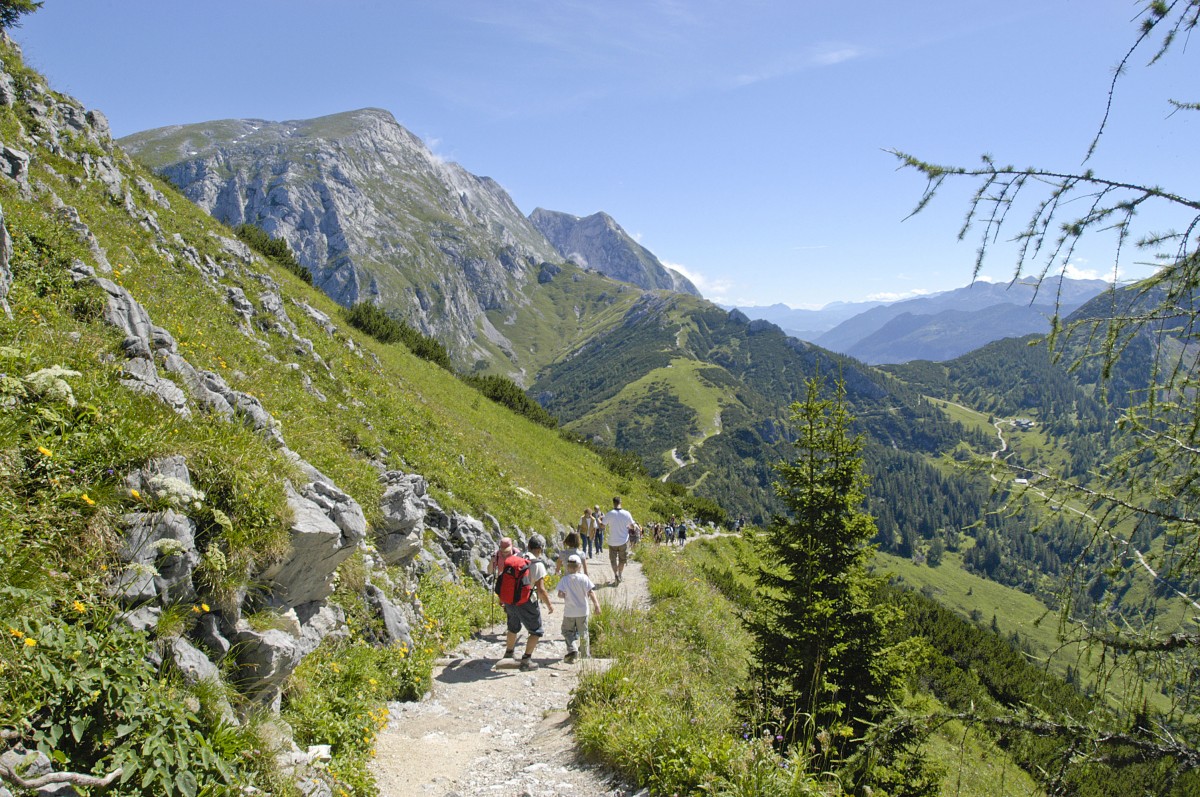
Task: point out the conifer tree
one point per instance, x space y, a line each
819 643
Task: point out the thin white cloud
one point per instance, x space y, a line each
715 290
818 56
896 296
830 55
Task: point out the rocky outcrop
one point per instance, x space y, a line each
368 209
598 242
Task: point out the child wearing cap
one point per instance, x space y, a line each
577 590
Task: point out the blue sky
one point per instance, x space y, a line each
741 142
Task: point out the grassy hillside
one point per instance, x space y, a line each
79 680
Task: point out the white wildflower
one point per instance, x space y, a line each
50 384
174 492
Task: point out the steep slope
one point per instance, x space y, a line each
598 242
370 210
703 396
208 481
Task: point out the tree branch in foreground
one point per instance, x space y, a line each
74 778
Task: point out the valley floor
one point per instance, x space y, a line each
486 728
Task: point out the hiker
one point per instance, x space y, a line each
576 589
587 531
496 563
681 532
618 521
522 600
570 548
599 539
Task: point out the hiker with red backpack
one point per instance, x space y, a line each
522 589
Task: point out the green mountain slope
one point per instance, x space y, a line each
220 504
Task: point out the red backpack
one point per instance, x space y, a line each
514 585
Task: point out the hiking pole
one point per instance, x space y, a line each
491 583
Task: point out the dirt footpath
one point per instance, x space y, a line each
486 728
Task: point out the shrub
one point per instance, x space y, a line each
381 326
508 393
274 249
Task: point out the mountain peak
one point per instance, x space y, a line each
599 242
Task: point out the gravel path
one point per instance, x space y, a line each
486 728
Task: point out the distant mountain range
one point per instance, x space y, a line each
940 326
620 348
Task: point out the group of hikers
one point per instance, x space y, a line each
520 576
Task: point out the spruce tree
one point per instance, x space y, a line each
819 655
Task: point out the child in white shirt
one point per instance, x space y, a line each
577 589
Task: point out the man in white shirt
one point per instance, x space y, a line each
618 521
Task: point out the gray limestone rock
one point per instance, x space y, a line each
143 618
156 196
192 664
403 507
237 298
317 547
395 624
208 633
6 275
141 376
160 551
265 659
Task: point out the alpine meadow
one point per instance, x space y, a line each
272 393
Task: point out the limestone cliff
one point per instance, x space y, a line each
598 242
369 210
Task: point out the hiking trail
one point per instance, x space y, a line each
486 728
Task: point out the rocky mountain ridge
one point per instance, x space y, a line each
377 217
597 241
369 210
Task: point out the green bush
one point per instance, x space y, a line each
508 393
381 326
274 249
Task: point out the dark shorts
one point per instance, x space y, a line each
527 614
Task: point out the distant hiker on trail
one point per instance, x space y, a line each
570 548
522 589
618 521
681 532
576 589
587 531
599 518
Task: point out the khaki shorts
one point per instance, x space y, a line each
618 553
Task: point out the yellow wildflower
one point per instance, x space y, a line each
30 642
196 610
15 632
45 452
136 495
204 607
79 607
87 500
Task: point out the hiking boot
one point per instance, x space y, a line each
527 664
508 654
570 657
